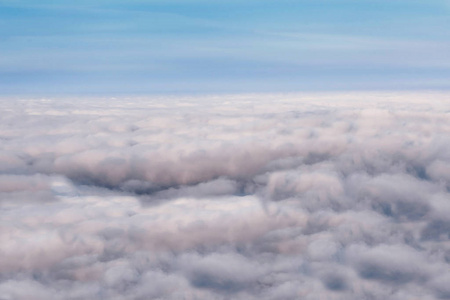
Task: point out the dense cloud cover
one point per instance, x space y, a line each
319 196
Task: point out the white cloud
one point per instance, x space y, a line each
339 196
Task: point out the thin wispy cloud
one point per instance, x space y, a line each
155 47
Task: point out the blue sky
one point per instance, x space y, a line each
147 47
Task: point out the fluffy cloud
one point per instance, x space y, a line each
321 196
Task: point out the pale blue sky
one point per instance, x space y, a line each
146 47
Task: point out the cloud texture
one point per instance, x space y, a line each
319 196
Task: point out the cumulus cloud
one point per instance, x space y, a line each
314 196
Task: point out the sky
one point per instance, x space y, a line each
225 149
170 47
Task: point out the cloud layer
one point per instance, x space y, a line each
315 196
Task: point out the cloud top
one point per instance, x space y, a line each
334 196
